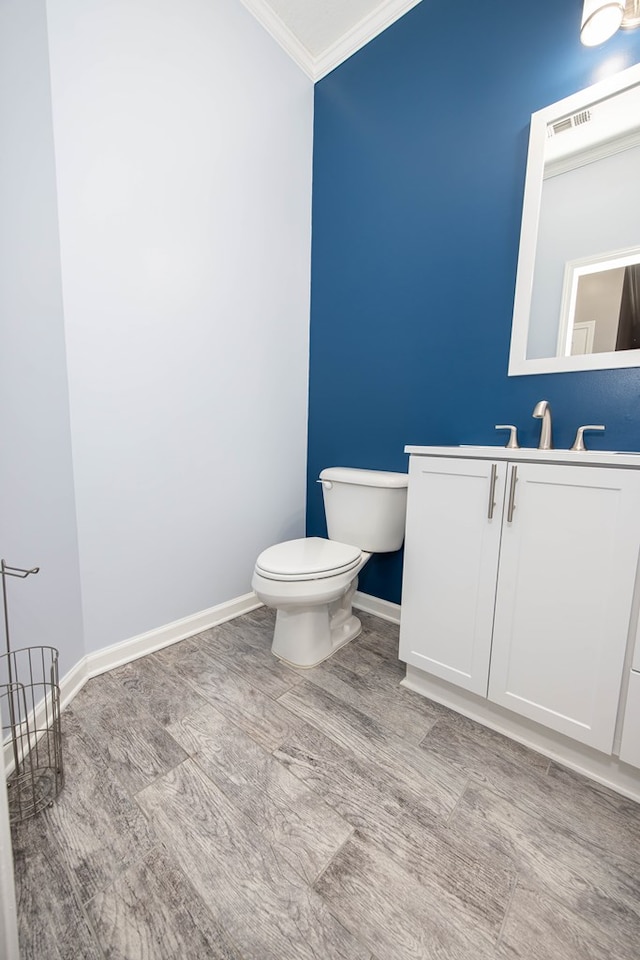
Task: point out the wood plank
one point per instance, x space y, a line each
263 617
302 829
135 746
392 913
269 912
152 912
265 720
162 692
354 657
432 783
586 811
444 862
377 694
100 830
484 754
51 921
607 821
228 646
540 928
168 655
378 636
254 628
555 861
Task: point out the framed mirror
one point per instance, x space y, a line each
577 298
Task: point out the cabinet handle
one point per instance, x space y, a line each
492 490
512 494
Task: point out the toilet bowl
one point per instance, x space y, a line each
310 582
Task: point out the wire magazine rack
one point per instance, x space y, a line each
31 727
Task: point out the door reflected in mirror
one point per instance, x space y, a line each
601 305
577 290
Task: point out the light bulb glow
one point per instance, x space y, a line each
600 20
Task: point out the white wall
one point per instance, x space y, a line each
183 139
37 512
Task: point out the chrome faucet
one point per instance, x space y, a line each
542 411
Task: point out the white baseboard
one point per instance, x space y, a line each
73 682
118 654
379 608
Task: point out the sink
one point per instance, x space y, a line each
529 454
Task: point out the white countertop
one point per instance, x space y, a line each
593 458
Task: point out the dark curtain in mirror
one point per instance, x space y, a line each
629 323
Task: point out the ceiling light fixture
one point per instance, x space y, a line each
602 18
631 17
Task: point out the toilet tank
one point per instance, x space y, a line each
365 508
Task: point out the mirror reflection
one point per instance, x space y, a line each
578 289
601 305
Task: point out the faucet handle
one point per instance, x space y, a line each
578 443
512 442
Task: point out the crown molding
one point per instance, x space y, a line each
359 36
597 151
282 35
386 13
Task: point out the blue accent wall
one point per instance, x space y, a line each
419 165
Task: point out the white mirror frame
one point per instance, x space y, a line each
519 365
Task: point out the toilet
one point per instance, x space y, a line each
311 582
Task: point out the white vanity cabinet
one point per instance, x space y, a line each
451 551
527 604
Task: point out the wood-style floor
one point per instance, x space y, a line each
221 805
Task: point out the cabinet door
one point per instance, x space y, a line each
450 566
565 587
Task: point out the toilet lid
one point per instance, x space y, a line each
307 559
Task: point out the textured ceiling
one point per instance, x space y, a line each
320 34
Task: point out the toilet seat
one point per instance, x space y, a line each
311 558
